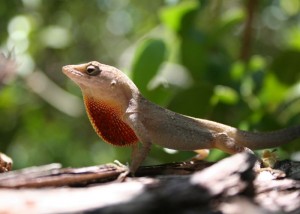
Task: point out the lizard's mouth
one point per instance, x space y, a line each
69 71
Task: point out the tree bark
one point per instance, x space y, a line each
233 185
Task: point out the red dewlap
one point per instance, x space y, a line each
108 124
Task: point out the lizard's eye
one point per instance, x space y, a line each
92 70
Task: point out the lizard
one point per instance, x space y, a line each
122 116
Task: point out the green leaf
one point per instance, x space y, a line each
225 95
173 17
272 92
193 102
232 17
286 66
147 61
237 70
291 7
293 38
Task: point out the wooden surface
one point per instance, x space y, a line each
229 186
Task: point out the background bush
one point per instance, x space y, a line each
235 62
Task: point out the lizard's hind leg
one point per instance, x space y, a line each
229 145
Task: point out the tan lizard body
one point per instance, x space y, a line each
122 116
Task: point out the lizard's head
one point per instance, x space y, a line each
106 92
99 80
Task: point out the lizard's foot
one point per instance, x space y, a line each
269 158
201 154
267 162
118 163
123 175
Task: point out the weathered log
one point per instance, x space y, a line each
229 186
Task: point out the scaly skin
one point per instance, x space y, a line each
122 116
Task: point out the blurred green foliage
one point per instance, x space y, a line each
201 58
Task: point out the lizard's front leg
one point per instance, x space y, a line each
139 154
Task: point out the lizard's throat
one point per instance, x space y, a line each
107 122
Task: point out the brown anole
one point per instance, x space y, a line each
122 116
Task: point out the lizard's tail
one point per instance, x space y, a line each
261 140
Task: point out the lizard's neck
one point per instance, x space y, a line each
106 119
